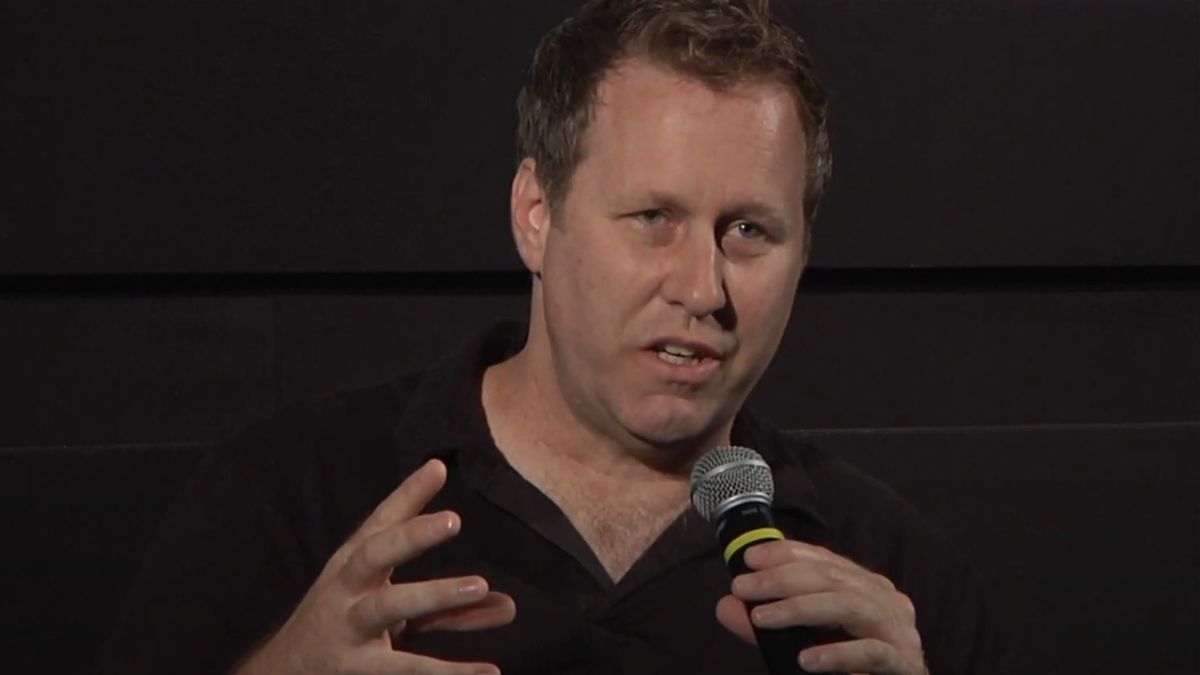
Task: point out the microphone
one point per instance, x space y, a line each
732 488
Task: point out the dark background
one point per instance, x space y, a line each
213 208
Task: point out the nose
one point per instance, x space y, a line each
695 277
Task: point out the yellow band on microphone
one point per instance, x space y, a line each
746 538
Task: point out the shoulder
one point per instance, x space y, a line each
873 525
253 526
313 469
854 501
345 426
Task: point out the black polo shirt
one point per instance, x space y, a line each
252 529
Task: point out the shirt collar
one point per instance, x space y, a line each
788 458
445 414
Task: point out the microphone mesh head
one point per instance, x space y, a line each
726 473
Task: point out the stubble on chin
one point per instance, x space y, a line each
675 431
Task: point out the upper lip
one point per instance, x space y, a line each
700 348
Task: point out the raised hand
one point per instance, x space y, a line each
352 615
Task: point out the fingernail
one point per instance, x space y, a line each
471 587
442 524
755 556
810 660
765 615
744 584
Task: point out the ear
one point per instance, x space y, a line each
530 211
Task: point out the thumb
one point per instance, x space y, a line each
731 613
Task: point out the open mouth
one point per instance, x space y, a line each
681 355
677 358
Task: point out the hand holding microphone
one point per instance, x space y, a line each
791 589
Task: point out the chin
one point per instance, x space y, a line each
672 425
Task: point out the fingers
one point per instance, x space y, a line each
832 565
857 614
375 612
496 609
812 586
731 613
386 662
868 655
810 576
353 613
862 656
371 560
407 500
820 588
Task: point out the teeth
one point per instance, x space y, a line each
676 350
680 356
678 360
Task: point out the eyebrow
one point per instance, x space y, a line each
759 211
752 208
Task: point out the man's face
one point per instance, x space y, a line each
669 272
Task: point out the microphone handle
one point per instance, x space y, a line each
737 530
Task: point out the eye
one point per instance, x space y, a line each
748 229
652 217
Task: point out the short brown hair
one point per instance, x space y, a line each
720 42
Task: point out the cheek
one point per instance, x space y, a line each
586 293
764 302
767 320
605 278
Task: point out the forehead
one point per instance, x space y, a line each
659 129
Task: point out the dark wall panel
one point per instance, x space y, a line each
107 369
849 359
339 136
335 341
1002 132
955 358
182 368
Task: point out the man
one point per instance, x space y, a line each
673 156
